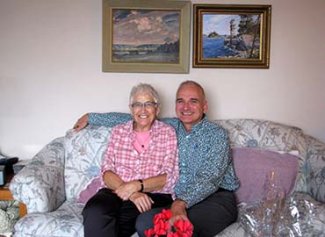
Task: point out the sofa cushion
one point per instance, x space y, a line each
268 135
84 152
66 221
315 167
252 167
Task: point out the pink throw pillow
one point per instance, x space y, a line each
90 190
252 166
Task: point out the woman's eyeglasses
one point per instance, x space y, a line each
146 105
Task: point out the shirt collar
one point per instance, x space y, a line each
154 128
196 126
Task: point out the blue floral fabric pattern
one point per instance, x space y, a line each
315 169
40 184
66 221
270 136
84 152
210 166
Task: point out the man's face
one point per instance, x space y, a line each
190 105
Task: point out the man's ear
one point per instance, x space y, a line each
205 107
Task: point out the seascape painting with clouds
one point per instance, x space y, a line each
146 36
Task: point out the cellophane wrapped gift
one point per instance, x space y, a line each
280 216
9 215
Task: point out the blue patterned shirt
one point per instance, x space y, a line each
204 156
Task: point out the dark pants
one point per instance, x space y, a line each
105 214
209 216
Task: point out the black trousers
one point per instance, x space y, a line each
209 217
106 215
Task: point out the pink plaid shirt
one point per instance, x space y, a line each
161 156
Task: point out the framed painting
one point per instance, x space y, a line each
231 36
146 36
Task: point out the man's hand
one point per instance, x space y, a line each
81 123
178 209
126 189
142 201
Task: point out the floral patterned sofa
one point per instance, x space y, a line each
51 183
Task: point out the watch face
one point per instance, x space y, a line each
2 178
2 175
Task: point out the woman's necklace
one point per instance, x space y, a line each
142 140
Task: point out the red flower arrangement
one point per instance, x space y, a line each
181 228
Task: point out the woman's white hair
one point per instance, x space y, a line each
144 88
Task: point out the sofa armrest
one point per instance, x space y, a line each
315 168
40 184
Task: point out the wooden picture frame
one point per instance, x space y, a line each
146 36
231 36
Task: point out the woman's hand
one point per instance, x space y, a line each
125 190
142 201
178 209
81 123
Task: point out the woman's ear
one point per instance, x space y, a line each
157 111
131 110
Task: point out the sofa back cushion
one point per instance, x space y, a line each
252 167
268 135
84 151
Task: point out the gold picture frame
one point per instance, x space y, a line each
231 36
146 36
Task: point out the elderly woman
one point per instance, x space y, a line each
139 170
